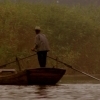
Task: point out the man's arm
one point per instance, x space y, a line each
37 39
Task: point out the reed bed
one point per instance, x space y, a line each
73 32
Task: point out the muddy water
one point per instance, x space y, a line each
58 92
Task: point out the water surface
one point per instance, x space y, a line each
58 92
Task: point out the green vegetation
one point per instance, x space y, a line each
73 32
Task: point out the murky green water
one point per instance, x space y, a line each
58 92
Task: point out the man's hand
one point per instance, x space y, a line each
33 49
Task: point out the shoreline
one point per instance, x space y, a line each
79 79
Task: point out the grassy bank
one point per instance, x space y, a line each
73 32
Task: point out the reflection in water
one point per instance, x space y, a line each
41 91
59 92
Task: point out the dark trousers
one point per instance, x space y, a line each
42 55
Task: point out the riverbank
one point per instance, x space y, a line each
77 79
74 37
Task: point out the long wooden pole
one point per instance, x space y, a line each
15 61
69 66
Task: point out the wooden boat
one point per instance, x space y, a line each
38 76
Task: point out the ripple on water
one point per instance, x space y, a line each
58 92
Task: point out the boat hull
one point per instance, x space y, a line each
38 76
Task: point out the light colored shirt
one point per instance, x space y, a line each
41 42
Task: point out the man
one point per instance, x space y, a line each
41 46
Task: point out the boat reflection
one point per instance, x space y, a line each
41 91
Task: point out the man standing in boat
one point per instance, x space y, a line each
41 46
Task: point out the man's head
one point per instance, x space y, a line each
37 29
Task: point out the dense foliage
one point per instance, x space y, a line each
73 32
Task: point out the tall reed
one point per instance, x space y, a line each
73 32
